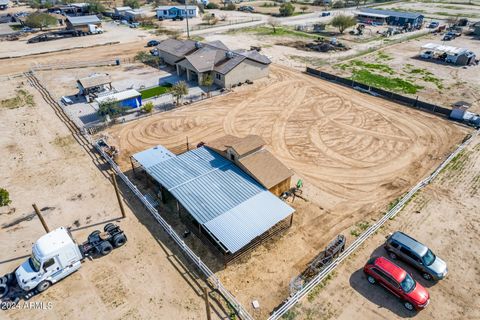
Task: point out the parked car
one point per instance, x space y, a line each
325 14
401 246
27 29
433 25
246 8
427 55
153 43
447 37
134 25
399 282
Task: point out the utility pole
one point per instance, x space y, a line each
39 215
120 203
186 16
207 304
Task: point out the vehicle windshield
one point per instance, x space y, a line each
428 258
34 263
408 284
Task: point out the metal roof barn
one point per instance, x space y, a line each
221 197
150 157
83 20
391 13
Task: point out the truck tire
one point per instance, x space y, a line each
44 285
119 240
3 290
105 248
108 227
94 233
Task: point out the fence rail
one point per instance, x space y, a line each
395 97
293 300
185 249
73 65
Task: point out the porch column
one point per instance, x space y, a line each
188 74
178 69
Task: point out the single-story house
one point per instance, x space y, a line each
225 207
82 23
3 4
390 17
454 55
250 155
174 12
475 28
120 11
126 99
227 67
134 15
94 84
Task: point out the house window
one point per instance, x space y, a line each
218 76
165 12
190 12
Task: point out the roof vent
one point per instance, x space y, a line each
229 54
198 45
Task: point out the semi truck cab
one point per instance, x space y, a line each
54 256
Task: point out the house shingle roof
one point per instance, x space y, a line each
178 48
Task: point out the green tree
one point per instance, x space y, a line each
207 81
95 6
274 23
134 4
342 22
287 9
148 107
109 108
179 90
40 20
304 8
4 197
147 58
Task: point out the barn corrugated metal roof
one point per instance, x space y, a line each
240 219
81 20
210 186
150 157
392 13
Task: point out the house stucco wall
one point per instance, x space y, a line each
168 58
247 70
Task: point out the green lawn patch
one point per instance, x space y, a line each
279 31
155 91
372 66
384 82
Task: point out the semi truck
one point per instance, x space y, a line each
55 256
62 34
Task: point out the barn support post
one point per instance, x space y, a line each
133 167
291 220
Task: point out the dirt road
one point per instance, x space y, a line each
356 154
446 217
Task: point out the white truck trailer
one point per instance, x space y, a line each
55 256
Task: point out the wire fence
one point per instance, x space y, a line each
222 24
210 276
293 300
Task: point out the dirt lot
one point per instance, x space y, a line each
355 152
439 10
446 217
439 82
43 164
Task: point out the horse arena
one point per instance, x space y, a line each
356 154
350 146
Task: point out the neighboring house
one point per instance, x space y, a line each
120 11
394 18
250 155
227 68
176 12
82 23
3 4
454 55
134 15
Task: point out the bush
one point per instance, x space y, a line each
230 7
343 22
338 4
134 4
148 107
287 9
40 20
95 6
109 108
212 5
4 197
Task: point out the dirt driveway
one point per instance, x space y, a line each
356 154
446 217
